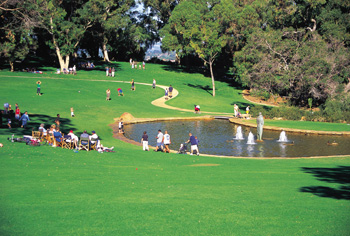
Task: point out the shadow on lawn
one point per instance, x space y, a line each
34 123
340 175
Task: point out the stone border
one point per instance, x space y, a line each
301 131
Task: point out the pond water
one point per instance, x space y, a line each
217 137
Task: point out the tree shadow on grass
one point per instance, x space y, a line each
206 88
340 175
33 124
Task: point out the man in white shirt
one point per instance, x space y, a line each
159 141
74 138
166 141
93 138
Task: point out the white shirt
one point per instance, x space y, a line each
160 137
73 136
94 136
166 138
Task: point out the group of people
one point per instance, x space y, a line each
164 141
86 65
134 64
110 71
54 131
10 114
237 113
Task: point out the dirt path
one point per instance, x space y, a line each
246 96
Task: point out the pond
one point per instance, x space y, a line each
217 138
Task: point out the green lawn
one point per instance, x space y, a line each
54 191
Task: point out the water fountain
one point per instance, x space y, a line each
239 134
283 137
250 138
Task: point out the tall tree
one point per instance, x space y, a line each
16 38
109 16
193 28
66 21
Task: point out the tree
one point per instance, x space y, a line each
193 28
66 21
15 31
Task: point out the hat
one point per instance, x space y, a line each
71 131
93 132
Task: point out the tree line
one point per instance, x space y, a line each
298 49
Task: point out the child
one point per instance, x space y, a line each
166 94
121 126
197 109
71 112
9 123
38 88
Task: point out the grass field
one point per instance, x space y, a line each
54 191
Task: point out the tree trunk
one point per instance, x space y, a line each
64 61
105 52
212 76
12 66
178 59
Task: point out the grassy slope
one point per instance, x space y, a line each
50 191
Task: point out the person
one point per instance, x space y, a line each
132 84
110 71
74 70
140 66
57 121
74 138
84 135
171 91
260 125
143 65
42 130
107 69
166 94
102 149
197 109
235 109
9 123
120 92
247 110
193 142
108 94
72 112
121 126
159 138
197 140
6 108
93 138
17 112
144 141
24 119
58 135
113 71
154 84
38 83
130 61
166 141
132 64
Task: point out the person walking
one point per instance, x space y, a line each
193 142
159 138
166 141
144 141
132 84
24 119
171 91
108 94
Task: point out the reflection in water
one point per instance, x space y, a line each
213 136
